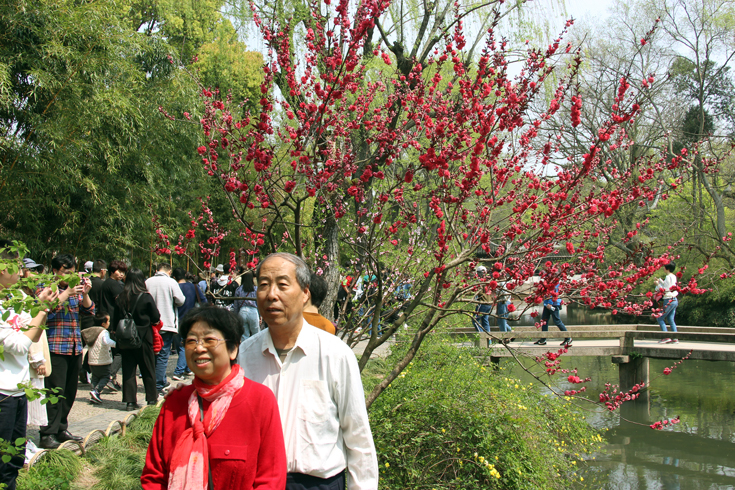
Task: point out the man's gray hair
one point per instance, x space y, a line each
303 274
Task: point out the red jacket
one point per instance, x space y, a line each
246 451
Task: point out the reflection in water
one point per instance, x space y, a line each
697 454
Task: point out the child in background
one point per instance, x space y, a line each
100 354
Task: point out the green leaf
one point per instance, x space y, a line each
20 440
6 458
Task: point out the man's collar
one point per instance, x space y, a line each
306 341
161 273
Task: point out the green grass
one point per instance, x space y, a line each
55 470
118 461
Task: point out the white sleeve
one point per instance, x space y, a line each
15 343
106 340
360 454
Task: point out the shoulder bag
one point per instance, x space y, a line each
126 331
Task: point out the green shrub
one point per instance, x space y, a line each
55 470
448 422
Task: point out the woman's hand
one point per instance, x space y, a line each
47 295
41 370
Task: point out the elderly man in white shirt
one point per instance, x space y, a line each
316 380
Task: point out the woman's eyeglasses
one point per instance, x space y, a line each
206 342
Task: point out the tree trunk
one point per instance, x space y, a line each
330 237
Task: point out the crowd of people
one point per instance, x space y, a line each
286 390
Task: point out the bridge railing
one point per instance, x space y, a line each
625 333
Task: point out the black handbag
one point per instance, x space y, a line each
126 331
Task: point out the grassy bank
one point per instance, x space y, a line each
449 422
114 463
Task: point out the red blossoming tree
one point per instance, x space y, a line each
413 167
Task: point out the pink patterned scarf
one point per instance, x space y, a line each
189 468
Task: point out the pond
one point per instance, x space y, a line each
696 454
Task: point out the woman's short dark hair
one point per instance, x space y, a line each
670 266
178 274
227 322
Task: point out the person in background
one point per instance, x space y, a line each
39 359
65 344
668 286
203 284
225 287
317 382
100 355
14 366
136 300
168 297
502 300
248 308
112 286
318 290
223 431
99 271
192 296
552 308
30 268
481 320
108 291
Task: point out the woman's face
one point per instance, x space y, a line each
207 355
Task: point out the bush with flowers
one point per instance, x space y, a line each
452 421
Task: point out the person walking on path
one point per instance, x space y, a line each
552 307
100 355
668 286
247 308
501 308
136 300
481 320
192 296
65 344
168 297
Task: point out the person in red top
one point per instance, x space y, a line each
223 431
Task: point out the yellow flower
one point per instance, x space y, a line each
443 431
387 465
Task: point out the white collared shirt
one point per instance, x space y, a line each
322 404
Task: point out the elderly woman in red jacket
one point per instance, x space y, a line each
223 431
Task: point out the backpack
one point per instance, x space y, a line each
126 331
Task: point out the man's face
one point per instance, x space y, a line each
281 300
64 270
118 275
